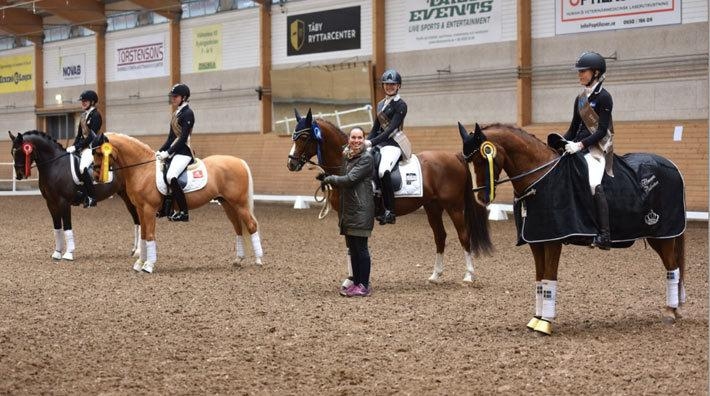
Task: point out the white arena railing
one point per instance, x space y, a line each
334 115
14 183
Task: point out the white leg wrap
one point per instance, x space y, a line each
69 236
469 277
349 264
240 246
59 240
672 279
682 293
151 251
439 264
549 296
144 254
538 299
256 245
136 239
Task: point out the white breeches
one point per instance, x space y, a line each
596 170
87 158
177 165
389 157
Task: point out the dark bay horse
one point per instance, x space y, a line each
447 187
58 188
526 159
229 181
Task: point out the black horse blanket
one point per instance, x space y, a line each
646 200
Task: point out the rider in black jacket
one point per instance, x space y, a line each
86 136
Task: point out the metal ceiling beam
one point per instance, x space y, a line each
87 13
170 9
20 22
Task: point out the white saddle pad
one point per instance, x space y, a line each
412 183
196 177
74 164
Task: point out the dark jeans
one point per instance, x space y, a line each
360 259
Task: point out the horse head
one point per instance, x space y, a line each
306 142
21 153
487 161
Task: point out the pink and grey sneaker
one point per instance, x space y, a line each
345 286
358 291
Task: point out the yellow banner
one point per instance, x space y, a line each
16 73
207 48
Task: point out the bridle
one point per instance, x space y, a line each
312 133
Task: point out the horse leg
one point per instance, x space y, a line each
148 222
459 220
58 233
65 210
233 217
244 213
672 254
549 288
135 250
142 249
433 214
538 251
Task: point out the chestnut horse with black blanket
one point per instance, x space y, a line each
553 205
58 187
446 187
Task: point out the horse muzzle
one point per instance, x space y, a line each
294 165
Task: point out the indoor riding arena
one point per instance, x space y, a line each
88 321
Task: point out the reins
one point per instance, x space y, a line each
520 176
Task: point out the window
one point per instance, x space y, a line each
199 8
122 21
56 33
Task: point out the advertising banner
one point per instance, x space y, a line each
444 23
16 73
207 48
325 31
576 16
72 69
141 57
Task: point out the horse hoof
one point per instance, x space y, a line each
56 256
669 315
468 279
135 253
532 323
434 279
68 256
138 265
258 261
543 328
148 267
237 262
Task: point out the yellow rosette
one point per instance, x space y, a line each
106 150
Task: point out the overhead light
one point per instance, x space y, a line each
58 98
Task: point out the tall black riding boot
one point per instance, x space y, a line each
388 197
602 240
89 194
179 197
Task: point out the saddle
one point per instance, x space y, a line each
75 171
409 186
645 197
193 178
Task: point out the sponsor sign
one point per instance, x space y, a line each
16 73
325 31
207 48
576 16
72 69
448 23
141 57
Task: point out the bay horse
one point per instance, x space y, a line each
526 159
446 182
229 181
58 187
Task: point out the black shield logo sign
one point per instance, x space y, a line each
298 34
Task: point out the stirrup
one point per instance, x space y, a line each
388 218
179 216
601 242
89 201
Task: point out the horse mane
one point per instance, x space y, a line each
137 142
44 135
513 129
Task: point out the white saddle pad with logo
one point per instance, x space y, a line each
195 175
74 165
412 183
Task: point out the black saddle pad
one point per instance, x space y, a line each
645 196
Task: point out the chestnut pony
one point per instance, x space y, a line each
229 181
447 187
525 159
58 188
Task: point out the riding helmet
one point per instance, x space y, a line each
591 60
180 90
391 76
90 96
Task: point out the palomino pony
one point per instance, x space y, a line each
58 187
229 181
529 163
446 182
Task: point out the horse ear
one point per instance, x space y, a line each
309 117
12 137
462 131
298 116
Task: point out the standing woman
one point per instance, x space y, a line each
88 130
357 210
387 135
591 132
177 147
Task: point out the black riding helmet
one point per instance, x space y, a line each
391 76
180 90
90 96
591 61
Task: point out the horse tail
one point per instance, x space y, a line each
250 187
476 217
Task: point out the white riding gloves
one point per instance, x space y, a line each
161 155
573 147
71 149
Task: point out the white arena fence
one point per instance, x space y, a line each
290 123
